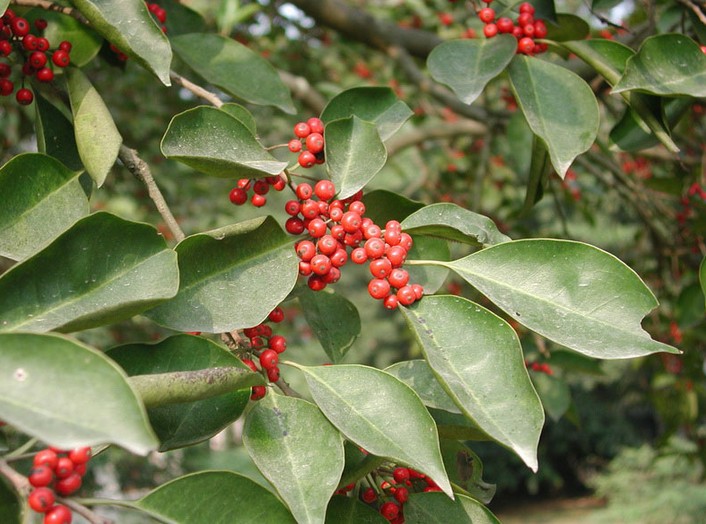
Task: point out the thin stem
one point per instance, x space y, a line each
51 6
422 262
276 146
366 465
287 389
85 512
21 452
197 90
18 481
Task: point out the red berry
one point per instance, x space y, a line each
304 191
324 190
526 7
391 302
6 87
351 221
306 159
276 315
359 255
393 224
295 145
398 278
525 45
378 288
42 44
294 226
258 392
315 142
389 510
369 495
524 19
486 15
380 268
540 29
306 250
250 364
41 476
401 495
46 457
333 275
5 48
327 245
406 241
310 209
19 26
374 247
490 30
504 24
45 75
339 258
304 269
69 485
406 296
269 359
40 24
258 200
396 255
315 283
261 187
278 343
60 58
400 475
445 18
244 183
292 207
64 467
238 196
41 500
320 264
418 290
357 207
24 96
65 46
37 59
317 228
58 515
316 125
273 374
302 130
80 455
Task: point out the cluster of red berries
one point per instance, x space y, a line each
309 142
268 348
239 194
56 471
19 45
540 367
334 226
526 28
159 14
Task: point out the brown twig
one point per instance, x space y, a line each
18 481
695 9
448 130
51 6
303 90
85 512
197 90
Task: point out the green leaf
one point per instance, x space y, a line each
554 393
466 470
4 5
702 277
431 278
85 43
455 426
230 278
576 362
433 508
567 27
97 139
232 67
539 171
477 358
218 144
10 501
466 66
278 434
128 25
453 222
559 106
246 118
186 423
55 134
68 394
102 270
382 206
668 65
378 105
629 133
572 293
216 497
333 319
418 375
346 510
181 19
354 154
41 198
380 413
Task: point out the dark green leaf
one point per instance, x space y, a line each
576 362
346 510
559 106
55 134
102 270
278 434
354 154
85 43
702 276
382 206
232 67
544 9
567 27
539 171
242 114
41 198
218 144
604 4
379 413
433 508
230 278
629 135
454 426
97 139
216 497
183 424
10 502
466 470
477 358
68 394
554 393
418 375
333 319
466 66
128 25
378 105
569 292
181 18
668 65
453 222
520 138
431 278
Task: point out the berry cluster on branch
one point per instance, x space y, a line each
267 347
525 28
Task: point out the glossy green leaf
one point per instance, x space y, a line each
55 134
102 270
378 105
346 510
667 65
466 66
539 171
434 508
10 501
418 375
181 18
333 319
128 25
246 118
221 272
186 423
702 276
278 434
41 198
477 358
68 394
567 27
382 206
379 413
455 223
218 144
466 470
554 393
234 68
544 9
455 426
559 106
572 293
354 154
85 42
97 139
431 278
629 133
216 497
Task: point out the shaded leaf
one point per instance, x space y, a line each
466 66
455 426
234 68
221 272
218 144
216 497
278 434
378 105
128 25
539 171
97 139
55 134
382 206
466 470
354 154
186 423
10 501
418 375
702 276
453 222
182 19
572 293
554 393
41 198
477 358
85 43
346 510
567 27
242 114
379 413
333 319
102 270
432 508
43 385
431 278
559 106
629 135
576 362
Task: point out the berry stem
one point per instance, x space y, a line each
199 91
51 6
365 466
21 452
276 146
